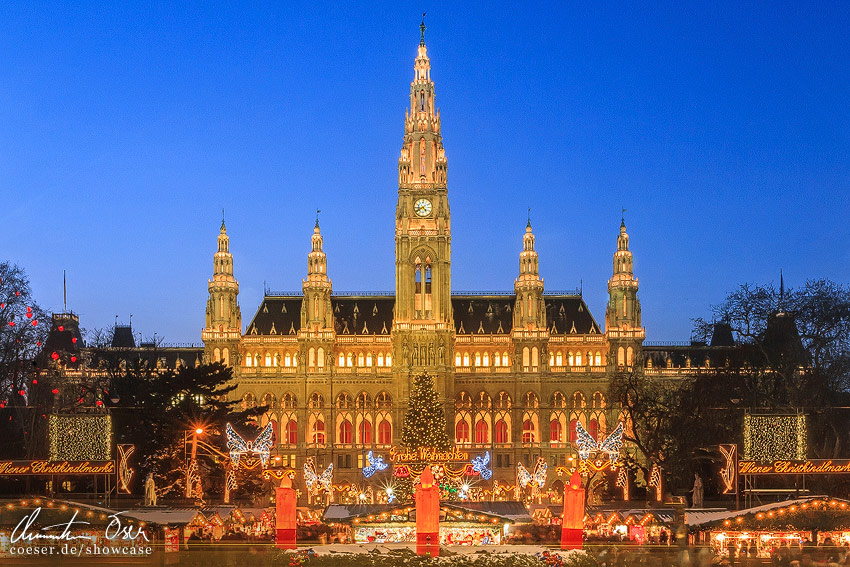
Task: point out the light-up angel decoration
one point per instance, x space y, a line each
588 446
481 465
536 479
316 481
259 447
373 464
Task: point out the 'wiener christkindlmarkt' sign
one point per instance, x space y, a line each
57 467
428 455
812 466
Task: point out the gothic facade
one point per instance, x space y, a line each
514 371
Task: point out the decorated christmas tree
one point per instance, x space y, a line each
424 422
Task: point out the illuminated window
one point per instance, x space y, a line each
485 359
481 432
457 359
380 359
389 360
291 432
462 432
369 360
477 359
555 432
528 431
361 360
502 431
385 432
559 359
268 359
466 359
598 358
341 362
320 357
365 432
287 360
345 431
578 358
319 432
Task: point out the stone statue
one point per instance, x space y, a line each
150 491
697 490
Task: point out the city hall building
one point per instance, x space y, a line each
515 371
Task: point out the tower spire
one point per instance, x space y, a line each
422 31
224 317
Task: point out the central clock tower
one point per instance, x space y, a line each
423 326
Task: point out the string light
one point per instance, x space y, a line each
769 438
481 464
80 437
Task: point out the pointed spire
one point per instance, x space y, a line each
528 259
422 30
781 291
317 219
223 227
528 226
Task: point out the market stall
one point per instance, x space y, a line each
761 531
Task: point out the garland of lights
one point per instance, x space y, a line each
655 481
373 464
193 477
623 482
80 437
230 484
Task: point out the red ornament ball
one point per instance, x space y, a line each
34 322
22 392
11 323
55 390
55 356
29 315
99 403
29 309
74 340
61 328
18 293
38 343
34 381
73 359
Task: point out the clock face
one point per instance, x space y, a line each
422 207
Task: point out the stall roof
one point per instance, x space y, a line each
697 518
164 516
513 512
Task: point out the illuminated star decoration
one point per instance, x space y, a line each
259 446
587 445
480 465
374 464
313 479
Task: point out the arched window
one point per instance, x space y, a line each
320 357
578 358
462 432
559 359
288 401
621 357
365 432
598 400
225 356
579 401
383 401
249 401
369 359
380 359
629 356
319 432
345 431
457 359
573 431
502 432
389 360
503 401
276 360
571 358
531 400
466 359
559 400
268 359
505 360
598 359
535 357
497 359
267 400
216 355
361 360
485 359
385 432
349 359
291 433
528 431
526 358
344 401
482 432
341 361
555 432
249 360
364 401
477 359
593 428
311 358
316 401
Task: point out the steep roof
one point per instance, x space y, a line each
373 314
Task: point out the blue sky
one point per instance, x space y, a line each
723 128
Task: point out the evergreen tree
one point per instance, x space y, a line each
424 422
